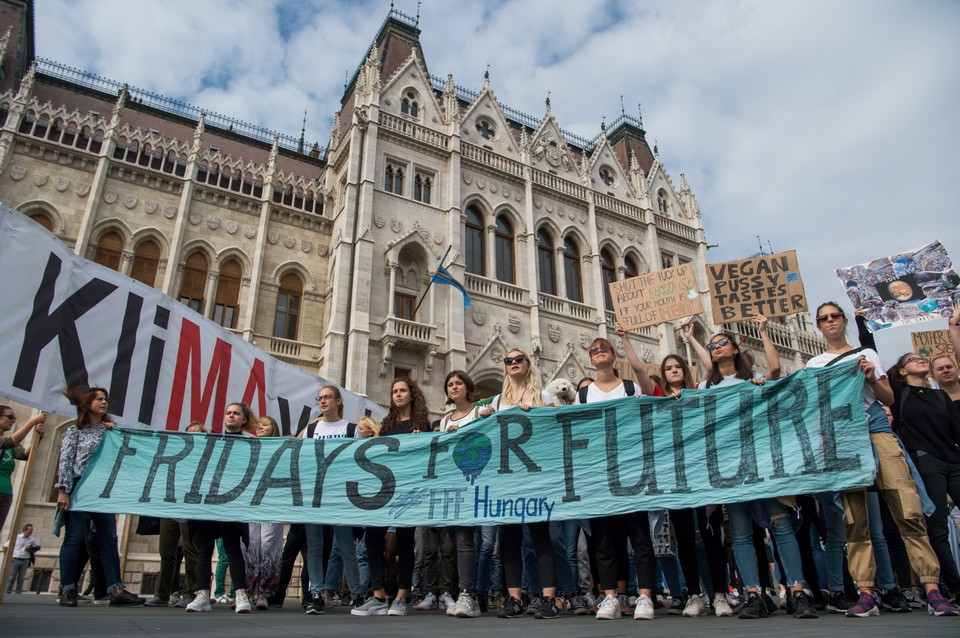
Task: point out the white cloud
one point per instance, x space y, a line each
826 127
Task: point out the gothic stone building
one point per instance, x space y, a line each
320 255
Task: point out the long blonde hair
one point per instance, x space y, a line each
532 381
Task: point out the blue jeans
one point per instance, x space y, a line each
106 526
836 541
485 540
345 542
566 575
670 568
779 518
881 554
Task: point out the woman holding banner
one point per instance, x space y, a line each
893 481
236 422
730 368
265 542
79 443
407 415
11 451
610 533
521 388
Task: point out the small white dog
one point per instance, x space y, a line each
562 390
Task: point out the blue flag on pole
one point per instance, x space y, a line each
443 276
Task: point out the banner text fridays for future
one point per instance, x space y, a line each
806 433
70 321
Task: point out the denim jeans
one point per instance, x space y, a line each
566 573
106 525
345 542
881 555
485 540
835 544
779 517
670 568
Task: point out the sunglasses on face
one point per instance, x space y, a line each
509 361
598 349
716 344
836 316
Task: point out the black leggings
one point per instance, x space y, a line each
711 532
205 535
376 545
510 546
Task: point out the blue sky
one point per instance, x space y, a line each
826 127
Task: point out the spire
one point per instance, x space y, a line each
603 125
449 102
4 41
303 131
198 136
549 112
623 113
640 114
274 151
26 85
118 107
486 78
335 131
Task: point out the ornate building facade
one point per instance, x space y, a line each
319 256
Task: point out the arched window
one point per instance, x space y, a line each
193 282
545 271
109 251
288 307
609 274
504 250
571 269
473 241
43 220
662 201
393 179
409 104
422 188
228 294
146 262
630 268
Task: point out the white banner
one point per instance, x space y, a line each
69 321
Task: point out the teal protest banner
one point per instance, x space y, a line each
806 433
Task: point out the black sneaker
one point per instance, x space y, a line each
68 598
125 598
770 604
547 609
512 608
754 607
315 608
307 600
894 601
838 603
803 606
359 600
534 605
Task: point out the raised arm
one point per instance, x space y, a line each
646 383
20 434
769 350
954 329
706 363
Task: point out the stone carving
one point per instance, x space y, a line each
494 187
620 349
379 221
479 315
150 206
496 355
584 340
273 237
82 189
213 222
561 211
481 183
195 218
40 179
647 355
438 238
467 178
232 227
583 217
513 323
553 331
517 196
306 246
323 250
506 192
17 172
130 201
396 225
537 202
289 241
62 184
249 232
110 196
170 212
571 372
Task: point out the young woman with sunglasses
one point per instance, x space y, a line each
731 367
407 415
521 388
893 481
928 423
610 533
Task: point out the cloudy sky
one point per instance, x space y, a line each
829 127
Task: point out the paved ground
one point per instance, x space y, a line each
38 615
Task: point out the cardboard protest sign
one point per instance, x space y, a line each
933 343
910 287
656 297
767 285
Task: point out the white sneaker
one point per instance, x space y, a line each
644 610
223 599
446 601
201 602
398 608
721 607
262 603
429 602
609 609
466 606
696 606
242 602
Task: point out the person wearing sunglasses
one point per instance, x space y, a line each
894 481
610 533
732 367
12 450
522 389
928 423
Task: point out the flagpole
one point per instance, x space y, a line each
413 315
